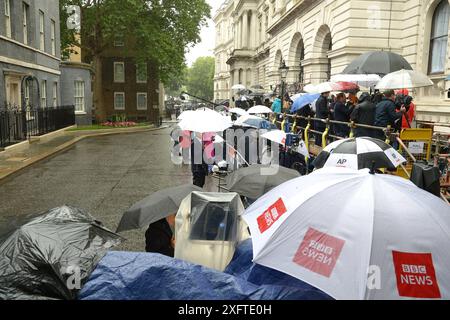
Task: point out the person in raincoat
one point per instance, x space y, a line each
364 113
342 113
276 105
322 112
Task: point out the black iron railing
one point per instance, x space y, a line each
18 125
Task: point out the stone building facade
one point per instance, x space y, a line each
319 38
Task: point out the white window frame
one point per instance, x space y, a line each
25 10
115 100
55 94
137 101
27 94
137 73
53 36
115 74
41 31
80 95
44 94
8 31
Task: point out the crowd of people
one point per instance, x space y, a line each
389 108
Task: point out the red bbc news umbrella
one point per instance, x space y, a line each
345 86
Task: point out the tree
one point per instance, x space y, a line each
200 80
158 32
176 85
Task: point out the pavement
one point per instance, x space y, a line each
104 175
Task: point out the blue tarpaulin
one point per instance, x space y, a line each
147 276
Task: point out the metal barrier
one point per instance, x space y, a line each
19 125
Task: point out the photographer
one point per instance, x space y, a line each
404 99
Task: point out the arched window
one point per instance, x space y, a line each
439 38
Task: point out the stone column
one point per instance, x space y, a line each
245 30
254 30
240 33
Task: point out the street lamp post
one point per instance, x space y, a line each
283 73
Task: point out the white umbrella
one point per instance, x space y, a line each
203 121
320 88
277 136
238 111
238 87
259 110
404 79
363 80
185 114
310 88
355 235
248 120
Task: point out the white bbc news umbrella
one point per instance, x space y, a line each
185 114
322 87
404 79
359 153
355 235
204 121
277 136
259 110
238 111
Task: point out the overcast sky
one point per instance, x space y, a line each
206 47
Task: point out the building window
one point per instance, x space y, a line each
8 18
119 100
118 40
44 94
55 94
41 31
439 38
53 40
141 101
79 96
119 72
141 73
25 23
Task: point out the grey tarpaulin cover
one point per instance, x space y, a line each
42 258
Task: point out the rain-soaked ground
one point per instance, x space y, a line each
103 175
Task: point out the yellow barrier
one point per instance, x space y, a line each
419 143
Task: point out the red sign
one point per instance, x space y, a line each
271 215
416 277
319 252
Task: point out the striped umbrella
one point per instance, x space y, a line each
359 153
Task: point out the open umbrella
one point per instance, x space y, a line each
51 255
157 206
277 136
310 88
259 110
355 235
359 153
185 114
254 181
251 121
205 120
238 111
345 86
303 101
257 87
363 80
238 87
377 62
323 87
404 79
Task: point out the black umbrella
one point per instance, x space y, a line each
157 206
377 62
254 181
52 255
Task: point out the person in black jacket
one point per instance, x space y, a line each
342 113
322 112
364 113
385 113
159 237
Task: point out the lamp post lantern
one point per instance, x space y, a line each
283 73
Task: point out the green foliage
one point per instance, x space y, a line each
161 30
200 80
